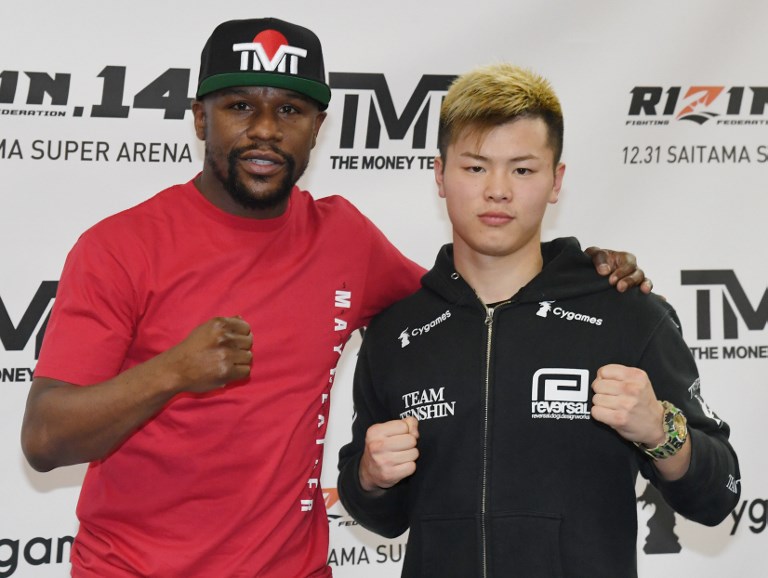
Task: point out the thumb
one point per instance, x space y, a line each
413 426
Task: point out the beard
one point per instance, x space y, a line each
238 190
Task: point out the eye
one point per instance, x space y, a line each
240 106
289 109
523 171
474 169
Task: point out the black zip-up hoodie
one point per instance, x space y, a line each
514 478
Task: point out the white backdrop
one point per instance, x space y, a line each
667 154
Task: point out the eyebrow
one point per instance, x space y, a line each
477 157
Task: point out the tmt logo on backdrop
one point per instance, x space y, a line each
722 304
362 125
381 108
727 105
725 284
16 337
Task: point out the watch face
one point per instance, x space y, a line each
680 426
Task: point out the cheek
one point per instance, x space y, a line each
458 211
535 208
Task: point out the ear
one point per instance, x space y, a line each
558 184
198 113
439 168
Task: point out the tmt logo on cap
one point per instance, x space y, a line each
271 51
264 52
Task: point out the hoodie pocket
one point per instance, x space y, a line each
449 547
524 544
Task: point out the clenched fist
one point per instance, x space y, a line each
390 453
213 354
624 399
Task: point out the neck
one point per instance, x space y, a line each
498 278
212 189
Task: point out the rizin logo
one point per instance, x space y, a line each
699 97
271 52
699 104
333 504
560 393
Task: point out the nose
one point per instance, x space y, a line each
498 186
264 126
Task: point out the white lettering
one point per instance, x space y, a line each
343 299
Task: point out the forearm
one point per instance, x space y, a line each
66 424
710 488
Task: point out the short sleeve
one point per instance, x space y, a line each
93 317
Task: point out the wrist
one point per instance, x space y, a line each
367 484
661 430
675 430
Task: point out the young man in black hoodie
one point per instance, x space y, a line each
505 409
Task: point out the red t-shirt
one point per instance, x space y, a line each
223 484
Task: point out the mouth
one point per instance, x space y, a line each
261 163
495 218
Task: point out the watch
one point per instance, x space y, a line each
676 428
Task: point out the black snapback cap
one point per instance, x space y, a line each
264 52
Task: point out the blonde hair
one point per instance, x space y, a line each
497 94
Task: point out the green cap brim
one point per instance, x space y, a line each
311 88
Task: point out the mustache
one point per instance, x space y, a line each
236 153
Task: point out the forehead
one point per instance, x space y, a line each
259 93
513 136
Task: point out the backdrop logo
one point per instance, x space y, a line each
719 290
271 52
368 108
16 337
38 551
756 512
167 92
734 300
389 553
560 393
734 105
661 538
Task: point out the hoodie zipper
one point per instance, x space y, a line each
489 313
483 537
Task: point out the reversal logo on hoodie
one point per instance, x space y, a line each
560 393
